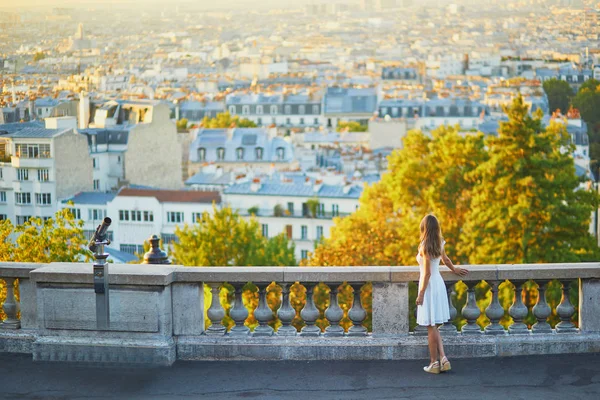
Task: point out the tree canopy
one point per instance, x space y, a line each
559 94
225 120
351 126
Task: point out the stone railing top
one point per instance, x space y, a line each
132 274
16 269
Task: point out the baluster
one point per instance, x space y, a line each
216 312
239 313
471 311
310 313
448 328
10 307
565 310
357 313
518 311
334 312
494 312
263 313
542 310
286 313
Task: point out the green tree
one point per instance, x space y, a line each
182 124
587 101
39 56
225 120
226 239
351 126
559 94
527 206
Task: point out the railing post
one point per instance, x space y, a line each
334 312
565 310
390 308
286 313
448 328
471 311
518 311
263 313
239 313
10 307
541 310
357 313
589 305
216 312
494 312
310 313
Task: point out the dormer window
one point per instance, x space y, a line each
273 110
220 153
259 153
232 110
259 110
301 110
280 153
287 109
245 110
201 154
239 153
315 109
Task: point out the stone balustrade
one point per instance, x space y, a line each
161 313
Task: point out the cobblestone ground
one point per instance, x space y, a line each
535 377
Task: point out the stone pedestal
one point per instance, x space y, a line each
390 309
589 305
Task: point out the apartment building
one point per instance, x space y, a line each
40 164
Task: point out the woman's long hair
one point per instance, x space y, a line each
431 236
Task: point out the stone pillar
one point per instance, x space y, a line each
494 312
28 303
216 312
589 305
541 310
357 313
263 312
471 310
10 307
565 310
286 312
518 311
334 312
310 313
239 313
448 328
188 308
390 308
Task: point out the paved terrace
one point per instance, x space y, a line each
533 377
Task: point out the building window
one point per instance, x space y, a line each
96 214
132 248
123 215
44 199
316 121
290 207
43 175
95 163
232 110
220 153
197 217
32 150
22 174
288 121
301 109
1 175
239 153
321 209
273 110
315 109
168 238
259 153
245 110
265 230
96 184
136 215
301 121
22 198
21 219
259 110
304 232
319 232
287 110
174 217
201 154
119 160
335 210
148 216
289 231
3 217
75 212
304 254
280 153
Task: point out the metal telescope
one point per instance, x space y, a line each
96 245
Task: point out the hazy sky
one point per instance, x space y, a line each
206 3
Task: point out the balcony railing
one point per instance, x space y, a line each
296 312
269 212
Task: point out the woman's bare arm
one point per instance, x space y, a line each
448 263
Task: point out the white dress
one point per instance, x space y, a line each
435 309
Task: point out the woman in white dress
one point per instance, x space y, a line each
432 300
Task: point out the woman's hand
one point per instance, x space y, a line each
461 271
420 299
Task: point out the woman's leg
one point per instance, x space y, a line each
432 340
440 344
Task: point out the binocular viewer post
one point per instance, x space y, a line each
96 245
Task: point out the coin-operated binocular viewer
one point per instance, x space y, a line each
96 246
